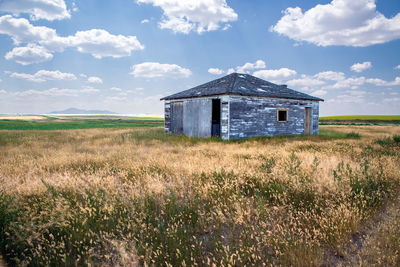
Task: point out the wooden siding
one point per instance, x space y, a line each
197 117
245 116
257 116
167 117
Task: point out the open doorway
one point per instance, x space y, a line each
216 117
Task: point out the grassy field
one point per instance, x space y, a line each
89 122
360 119
137 196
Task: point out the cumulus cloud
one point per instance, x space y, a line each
216 71
282 73
305 81
157 70
259 64
95 79
341 22
360 67
330 75
145 21
56 92
29 54
117 89
246 68
37 9
44 75
392 99
100 43
397 67
319 93
97 42
199 16
22 31
355 82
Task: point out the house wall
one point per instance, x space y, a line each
257 116
243 116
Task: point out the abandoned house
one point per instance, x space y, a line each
240 106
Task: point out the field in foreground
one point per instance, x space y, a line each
119 196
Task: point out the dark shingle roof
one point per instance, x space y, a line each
241 84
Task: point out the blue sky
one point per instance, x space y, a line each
124 55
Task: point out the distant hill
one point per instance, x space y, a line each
81 111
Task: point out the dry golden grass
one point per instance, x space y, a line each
119 196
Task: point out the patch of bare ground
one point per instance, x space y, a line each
377 241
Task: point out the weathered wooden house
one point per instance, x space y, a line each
239 106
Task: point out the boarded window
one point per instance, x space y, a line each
282 115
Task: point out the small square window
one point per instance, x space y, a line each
282 115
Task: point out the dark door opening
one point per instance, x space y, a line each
216 118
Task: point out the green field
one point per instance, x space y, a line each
361 118
80 123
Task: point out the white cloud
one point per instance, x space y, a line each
156 70
82 75
216 71
319 93
360 67
349 83
116 89
74 7
199 15
44 75
393 99
89 90
282 73
349 99
376 81
305 81
145 21
95 79
227 27
397 67
100 43
231 70
97 42
57 92
21 31
38 9
355 82
29 55
330 75
395 82
259 64
341 22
